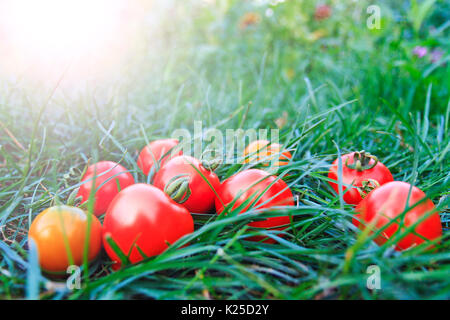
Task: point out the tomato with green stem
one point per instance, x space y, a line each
259 189
60 233
360 170
142 221
201 184
159 151
399 208
110 177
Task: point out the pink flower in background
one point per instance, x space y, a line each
323 11
420 51
436 55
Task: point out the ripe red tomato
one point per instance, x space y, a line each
252 183
158 148
144 217
201 194
53 227
388 202
361 170
108 175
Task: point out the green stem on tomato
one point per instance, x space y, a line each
361 161
178 188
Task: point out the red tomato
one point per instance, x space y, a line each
252 183
201 195
143 216
388 202
158 148
53 226
108 174
361 170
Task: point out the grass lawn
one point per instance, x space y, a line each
330 84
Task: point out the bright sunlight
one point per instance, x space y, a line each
50 33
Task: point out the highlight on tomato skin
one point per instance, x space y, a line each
53 226
265 152
109 176
361 170
157 150
142 220
202 193
388 202
251 184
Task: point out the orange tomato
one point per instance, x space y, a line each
60 227
265 152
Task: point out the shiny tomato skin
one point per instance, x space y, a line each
112 172
380 173
144 216
158 148
48 230
387 202
251 182
202 195
263 150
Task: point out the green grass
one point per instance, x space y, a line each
352 89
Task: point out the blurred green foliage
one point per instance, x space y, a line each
373 65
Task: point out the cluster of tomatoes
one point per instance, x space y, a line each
141 220
392 209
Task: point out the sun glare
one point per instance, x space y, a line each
39 33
